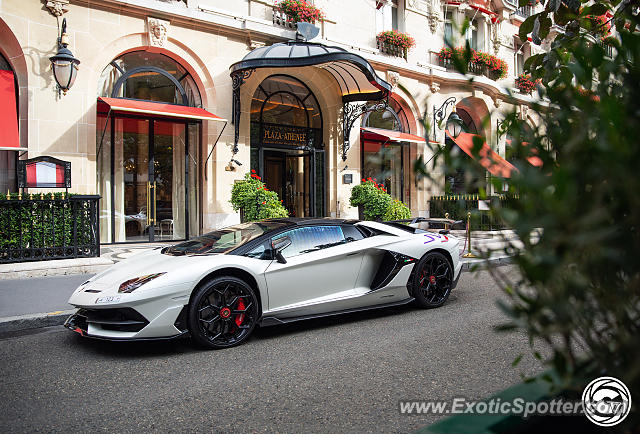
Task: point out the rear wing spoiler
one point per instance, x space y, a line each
449 222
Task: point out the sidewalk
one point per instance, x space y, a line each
27 300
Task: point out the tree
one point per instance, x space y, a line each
579 290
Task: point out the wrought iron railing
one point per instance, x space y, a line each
43 227
458 205
392 50
281 19
525 11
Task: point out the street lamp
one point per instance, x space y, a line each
65 66
454 123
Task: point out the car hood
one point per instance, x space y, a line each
150 262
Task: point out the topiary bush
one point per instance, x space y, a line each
255 200
377 204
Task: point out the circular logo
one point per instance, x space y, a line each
606 401
432 280
225 312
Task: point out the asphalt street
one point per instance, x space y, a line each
341 374
38 295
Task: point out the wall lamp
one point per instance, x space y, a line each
65 66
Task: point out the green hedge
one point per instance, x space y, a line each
44 221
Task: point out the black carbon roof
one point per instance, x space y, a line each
298 221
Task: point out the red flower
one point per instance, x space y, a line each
253 171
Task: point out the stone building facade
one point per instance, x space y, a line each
180 53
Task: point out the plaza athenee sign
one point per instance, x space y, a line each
285 135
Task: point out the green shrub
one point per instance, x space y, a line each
255 200
397 211
377 204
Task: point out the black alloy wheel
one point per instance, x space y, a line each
223 313
433 280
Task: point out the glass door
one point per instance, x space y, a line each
133 173
168 181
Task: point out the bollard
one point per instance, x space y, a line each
446 225
469 254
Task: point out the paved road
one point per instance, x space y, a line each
341 374
38 295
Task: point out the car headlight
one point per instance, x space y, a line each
133 284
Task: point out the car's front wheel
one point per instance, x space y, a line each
433 280
223 312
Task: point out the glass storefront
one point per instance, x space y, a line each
147 164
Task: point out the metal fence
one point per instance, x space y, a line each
458 205
42 227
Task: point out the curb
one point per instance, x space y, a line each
33 321
480 263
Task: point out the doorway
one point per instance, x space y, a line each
287 150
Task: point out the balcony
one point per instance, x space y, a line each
281 19
525 11
392 50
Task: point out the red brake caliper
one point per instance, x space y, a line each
240 317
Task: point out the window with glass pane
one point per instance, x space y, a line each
312 239
448 28
472 34
383 162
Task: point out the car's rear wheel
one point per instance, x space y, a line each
433 280
223 312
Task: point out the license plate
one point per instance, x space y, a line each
108 299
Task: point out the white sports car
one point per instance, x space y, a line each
219 286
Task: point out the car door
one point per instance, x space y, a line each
321 266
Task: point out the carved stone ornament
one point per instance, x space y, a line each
497 38
523 111
158 30
435 87
57 7
434 14
497 102
253 44
393 77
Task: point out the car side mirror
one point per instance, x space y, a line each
278 245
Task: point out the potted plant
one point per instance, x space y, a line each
395 43
254 200
299 11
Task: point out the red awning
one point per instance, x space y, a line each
487 157
9 137
158 109
388 135
533 160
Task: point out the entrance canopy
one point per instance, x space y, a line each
369 133
487 157
354 75
155 109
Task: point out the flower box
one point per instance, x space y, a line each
394 43
289 12
525 84
480 64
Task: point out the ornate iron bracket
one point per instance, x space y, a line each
438 114
237 79
350 114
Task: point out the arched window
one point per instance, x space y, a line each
149 77
393 118
468 126
285 100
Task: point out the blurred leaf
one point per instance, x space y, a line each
517 360
526 27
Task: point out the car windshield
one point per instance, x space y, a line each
224 240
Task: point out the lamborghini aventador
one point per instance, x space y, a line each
219 286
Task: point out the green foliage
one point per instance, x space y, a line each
578 214
255 200
397 211
376 202
46 221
